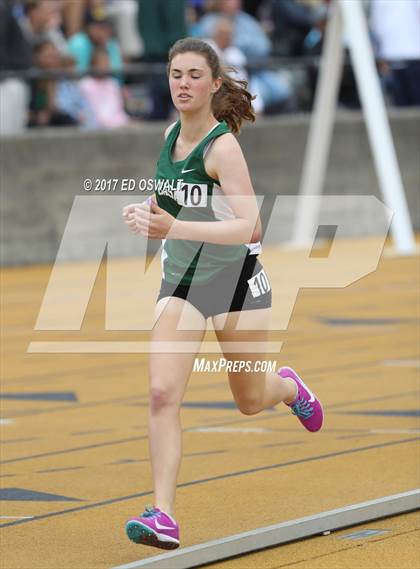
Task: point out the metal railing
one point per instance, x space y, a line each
147 69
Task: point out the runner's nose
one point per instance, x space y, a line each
184 82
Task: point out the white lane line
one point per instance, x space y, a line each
16 517
228 430
396 431
6 421
401 363
285 532
262 430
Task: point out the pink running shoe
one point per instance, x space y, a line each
155 528
306 406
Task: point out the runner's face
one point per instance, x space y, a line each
191 82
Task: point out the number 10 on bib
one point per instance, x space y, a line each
191 195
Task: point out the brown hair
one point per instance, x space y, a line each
232 102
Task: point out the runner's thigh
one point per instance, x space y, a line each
173 351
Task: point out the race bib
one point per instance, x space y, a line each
191 195
259 284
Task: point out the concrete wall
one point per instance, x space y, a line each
42 173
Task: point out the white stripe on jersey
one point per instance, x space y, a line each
163 257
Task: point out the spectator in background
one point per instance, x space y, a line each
195 10
98 33
104 93
221 42
252 40
70 100
248 35
15 54
124 15
43 107
42 23
161 24
296 26
396 29
232 56
73 16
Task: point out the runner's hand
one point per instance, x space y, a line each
128 215
153 222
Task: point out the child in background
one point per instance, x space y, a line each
70 99
58 101
104 94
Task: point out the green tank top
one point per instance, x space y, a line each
186 191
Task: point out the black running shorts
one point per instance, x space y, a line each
242 286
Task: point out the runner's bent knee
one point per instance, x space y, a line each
249 406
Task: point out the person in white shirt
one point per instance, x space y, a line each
395 25
230 55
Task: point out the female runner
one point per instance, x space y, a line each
206 212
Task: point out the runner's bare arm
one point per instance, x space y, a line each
234 179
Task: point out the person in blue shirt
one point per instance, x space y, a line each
98 33
250 37
248 34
